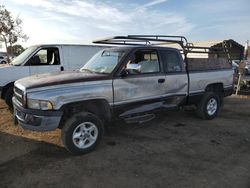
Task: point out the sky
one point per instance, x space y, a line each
82 21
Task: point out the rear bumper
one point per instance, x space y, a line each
37 120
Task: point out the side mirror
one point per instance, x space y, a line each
133 67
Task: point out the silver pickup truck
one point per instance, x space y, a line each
128 83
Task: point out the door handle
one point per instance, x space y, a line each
161 80
62 68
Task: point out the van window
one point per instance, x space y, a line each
46 56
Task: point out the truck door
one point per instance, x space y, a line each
45 60
141 90
176 80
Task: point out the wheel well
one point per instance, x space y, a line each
5 88
215 87
99 107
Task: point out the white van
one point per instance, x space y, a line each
43 59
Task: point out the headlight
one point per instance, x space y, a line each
39 104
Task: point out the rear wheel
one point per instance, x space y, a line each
209 106
82 133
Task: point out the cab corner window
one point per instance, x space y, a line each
143 62
46 56
171 61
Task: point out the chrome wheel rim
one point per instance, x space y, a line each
85 135
212 106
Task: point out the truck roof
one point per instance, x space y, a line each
107 46
141 46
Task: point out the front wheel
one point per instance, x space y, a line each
82 133
8 97
209 106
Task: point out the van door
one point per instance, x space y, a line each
45 60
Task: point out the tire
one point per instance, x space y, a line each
82 133
8 97
209 106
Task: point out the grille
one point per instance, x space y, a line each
19 96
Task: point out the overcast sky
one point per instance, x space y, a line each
81 21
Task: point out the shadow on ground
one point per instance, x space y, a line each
20 155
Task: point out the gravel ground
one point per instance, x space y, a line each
174 150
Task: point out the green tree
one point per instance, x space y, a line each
10 29
15 50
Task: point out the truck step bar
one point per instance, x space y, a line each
140 118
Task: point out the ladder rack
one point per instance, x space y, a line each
161 40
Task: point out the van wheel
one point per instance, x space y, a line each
82 133
209 106
8 97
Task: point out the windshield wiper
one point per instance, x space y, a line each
95 72
15 64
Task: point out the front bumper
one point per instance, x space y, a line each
37 120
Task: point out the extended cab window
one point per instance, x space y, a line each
146 60
46 56
171 61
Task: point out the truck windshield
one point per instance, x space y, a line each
23 56
103 62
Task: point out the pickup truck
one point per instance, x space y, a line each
125 83
43 58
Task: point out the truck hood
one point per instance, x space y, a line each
57 78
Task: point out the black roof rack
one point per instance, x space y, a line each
143 40
160 40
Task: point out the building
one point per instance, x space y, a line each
235 49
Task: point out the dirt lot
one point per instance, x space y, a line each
174 150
